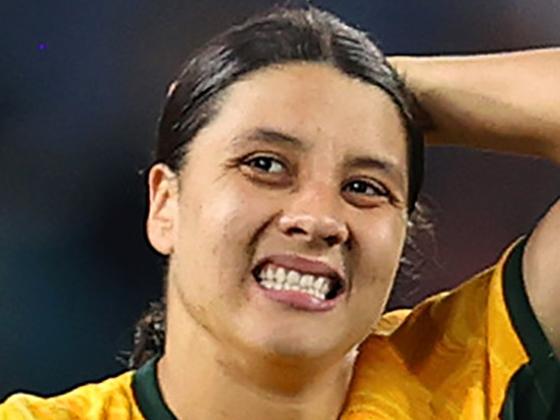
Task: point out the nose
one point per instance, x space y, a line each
313 217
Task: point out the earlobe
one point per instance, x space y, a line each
163 205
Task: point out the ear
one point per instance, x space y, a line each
161 224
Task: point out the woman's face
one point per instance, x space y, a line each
302 170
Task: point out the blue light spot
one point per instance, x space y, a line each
42 46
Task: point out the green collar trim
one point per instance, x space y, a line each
148 394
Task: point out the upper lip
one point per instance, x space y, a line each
303 265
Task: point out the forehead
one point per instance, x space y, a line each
318 104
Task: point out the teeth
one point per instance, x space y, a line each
269 273
293 278
267 283
280 275
278 278
306 280
322 285
318 285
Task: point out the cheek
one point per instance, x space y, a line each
221 228
393 234
378 260
382 245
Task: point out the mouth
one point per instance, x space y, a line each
299 282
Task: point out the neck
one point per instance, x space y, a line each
201 379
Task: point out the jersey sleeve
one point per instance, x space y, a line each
30 407
110 399
15 409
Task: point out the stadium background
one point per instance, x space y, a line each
81 84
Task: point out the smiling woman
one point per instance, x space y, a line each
283 192
301 206
288 100
303 135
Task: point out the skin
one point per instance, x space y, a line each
505 102
244 195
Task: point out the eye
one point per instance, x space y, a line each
364 187
266 164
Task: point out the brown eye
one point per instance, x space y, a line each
266 164
364 188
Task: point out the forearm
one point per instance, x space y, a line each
506 102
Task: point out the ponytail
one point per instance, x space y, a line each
149 335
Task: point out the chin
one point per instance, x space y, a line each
294 352
296 345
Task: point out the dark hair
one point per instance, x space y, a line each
284 34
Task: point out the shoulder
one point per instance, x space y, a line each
457 318
456 352
109 399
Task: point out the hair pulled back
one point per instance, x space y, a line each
282 35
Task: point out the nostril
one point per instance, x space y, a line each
312 228
332 240
296 230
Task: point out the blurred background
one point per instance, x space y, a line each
81 85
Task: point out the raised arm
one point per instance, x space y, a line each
506 102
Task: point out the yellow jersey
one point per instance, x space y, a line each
476 352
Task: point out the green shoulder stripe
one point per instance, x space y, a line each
534 390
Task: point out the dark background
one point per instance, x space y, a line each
81 84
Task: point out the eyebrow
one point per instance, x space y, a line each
270 136
377 163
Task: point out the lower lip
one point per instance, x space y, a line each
298 300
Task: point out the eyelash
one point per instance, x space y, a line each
376 189
253 159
